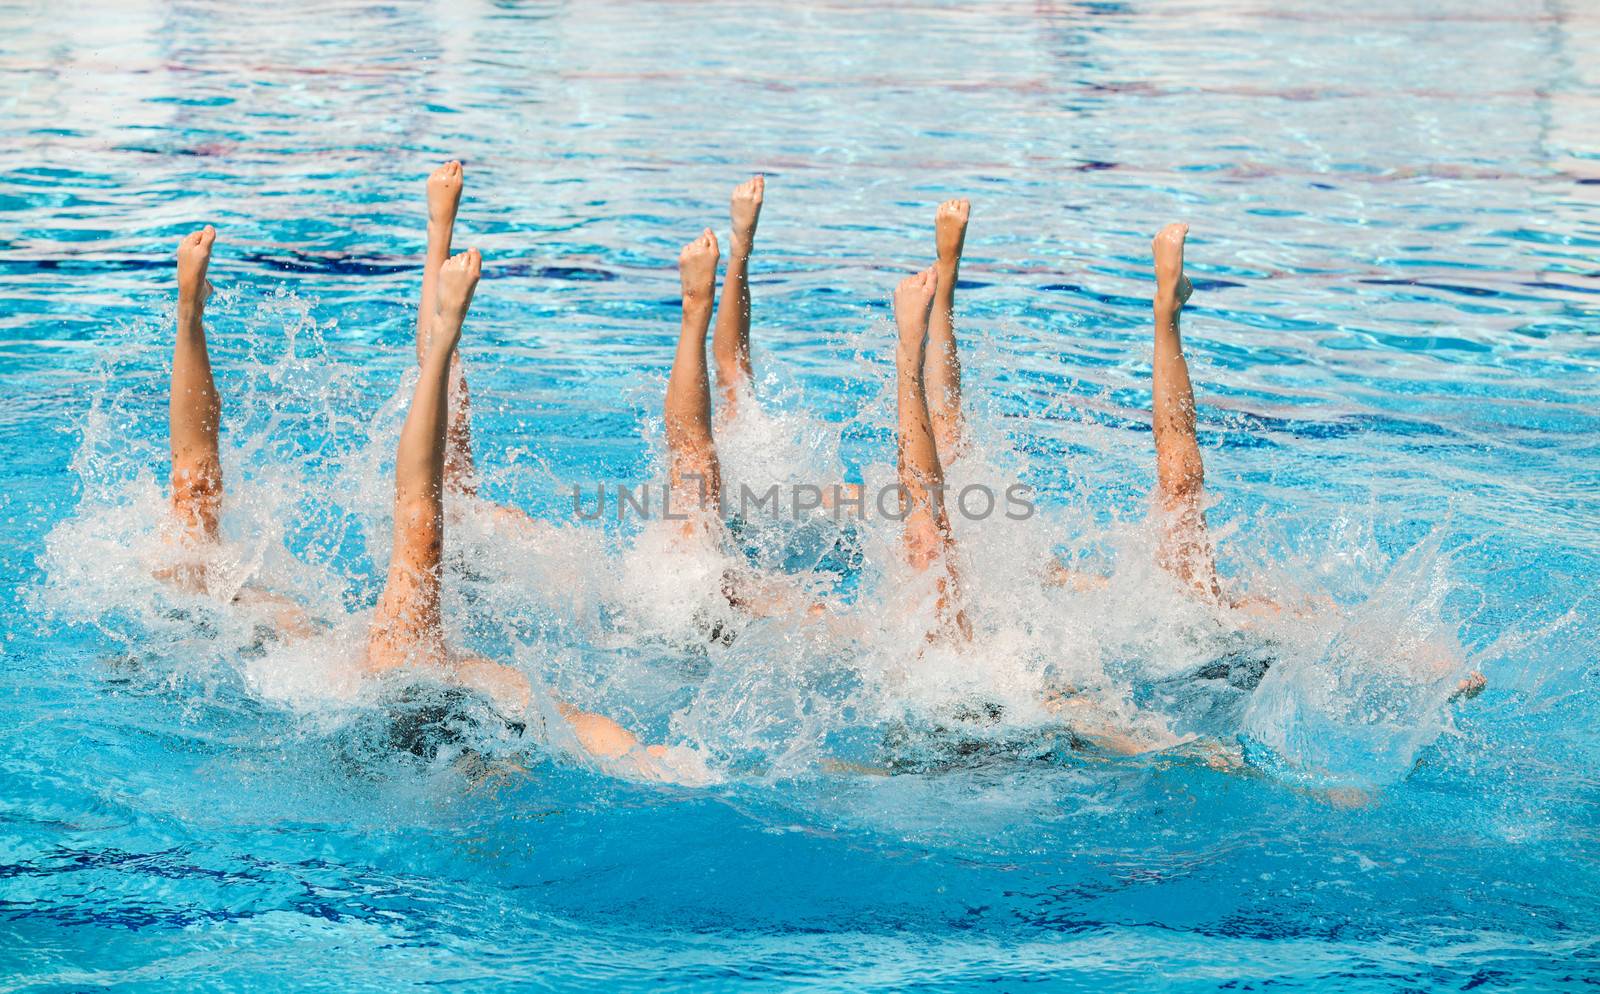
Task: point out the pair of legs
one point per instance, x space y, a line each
435 457
444 199
927 539
928 402
434 454
695 474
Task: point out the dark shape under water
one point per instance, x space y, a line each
971 736
415 721
1210 699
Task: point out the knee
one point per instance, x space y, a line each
1181 477
197 481
418 524
418 511
690 438
197 498
924 543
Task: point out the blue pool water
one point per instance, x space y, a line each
1395 211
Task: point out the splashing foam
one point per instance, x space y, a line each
633 625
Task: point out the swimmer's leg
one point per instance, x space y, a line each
599 735
731 342
194 420
927 537
444 198
696 475
194 407
1180 474
509 689
460 468
406 626
942 369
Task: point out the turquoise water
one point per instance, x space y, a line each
1395 232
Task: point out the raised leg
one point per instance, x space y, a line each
927 537
406 626
696 475
194 416
444 198
194 410
731 342
1180 474
942 367
407 629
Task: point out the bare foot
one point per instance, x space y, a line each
950 232
444 194
1172 286
746 212
913 300
194 259
457 281
697 268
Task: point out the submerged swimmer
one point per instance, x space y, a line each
929 433
927 541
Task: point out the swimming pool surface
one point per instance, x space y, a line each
1396 347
